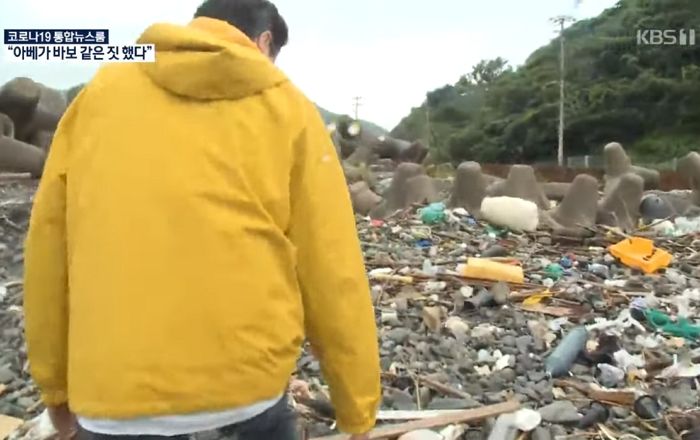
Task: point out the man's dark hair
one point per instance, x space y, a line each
252 17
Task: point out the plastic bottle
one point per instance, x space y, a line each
562 358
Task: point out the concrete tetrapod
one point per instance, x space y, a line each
522 184
363 198
421 189
618 163
689 167
556 190
32 106
469 188
620 207
42 139
18 99
396 196
579 207
7 127
19 157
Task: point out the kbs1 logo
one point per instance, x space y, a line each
666 37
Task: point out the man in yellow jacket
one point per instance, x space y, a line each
191 228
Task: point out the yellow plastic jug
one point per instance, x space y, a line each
484 269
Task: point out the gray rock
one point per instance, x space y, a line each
388 345
11 333
399 335
6 374
401 400
509 341
541 433
495 251
473 387
524 343
562 411
508 375
527 391
26 402
494 398
536 375
450 403
501 293
558 431
682 396
580 370
619 412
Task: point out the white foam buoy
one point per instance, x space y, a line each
510 212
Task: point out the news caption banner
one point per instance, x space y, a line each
71 45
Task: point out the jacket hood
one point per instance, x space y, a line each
208 59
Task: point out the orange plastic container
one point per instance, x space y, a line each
483 269
640 253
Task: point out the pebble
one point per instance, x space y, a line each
495 251
509 341
620 412
400 400
399 335
524 343
26 402
562 411
580 370
508 375
682 396
541 433
6 374
536 375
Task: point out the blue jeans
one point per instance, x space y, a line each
277 423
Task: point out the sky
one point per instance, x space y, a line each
389 52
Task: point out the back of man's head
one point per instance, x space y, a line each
252 17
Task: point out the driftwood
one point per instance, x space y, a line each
442 419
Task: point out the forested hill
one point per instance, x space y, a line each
647 97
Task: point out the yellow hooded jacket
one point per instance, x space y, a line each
191 227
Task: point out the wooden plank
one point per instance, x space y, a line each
8 425
415 414
466 416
